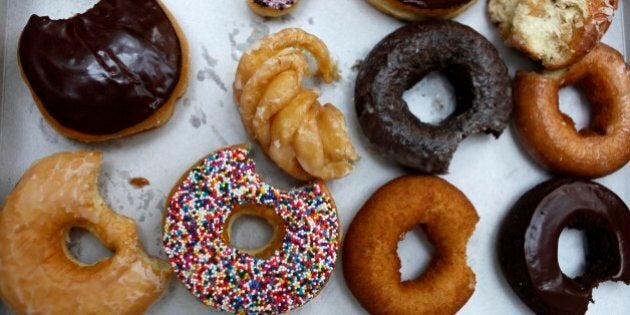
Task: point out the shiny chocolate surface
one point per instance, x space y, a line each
105 70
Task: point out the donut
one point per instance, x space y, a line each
305 139
416 10
282 275
550 137
273 8
39 275
555 32
528 244
472 65
113 71
370 260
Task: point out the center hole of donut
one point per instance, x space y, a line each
415 253
575 105
256 230
572 252
85 247
432 99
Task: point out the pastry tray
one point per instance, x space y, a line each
492 173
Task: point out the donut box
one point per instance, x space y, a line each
493 174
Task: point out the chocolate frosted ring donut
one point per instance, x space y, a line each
469 61
415 10
528 244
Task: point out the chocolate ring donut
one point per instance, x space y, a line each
471 64
528 244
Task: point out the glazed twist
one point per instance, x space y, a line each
305 139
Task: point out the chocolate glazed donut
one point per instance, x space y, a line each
104 71
528 244
469 61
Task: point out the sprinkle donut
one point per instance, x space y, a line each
273 8
283 275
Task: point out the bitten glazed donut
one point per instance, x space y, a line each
286 273
370 260
471 64
39 275
528 244
305 139
550 136
113 71
273 8
556 32
415 10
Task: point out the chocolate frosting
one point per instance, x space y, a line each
105 70
472 65
528 244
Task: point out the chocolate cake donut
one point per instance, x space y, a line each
113 71
528 244
469 61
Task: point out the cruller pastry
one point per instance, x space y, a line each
305 139
111 72
38 274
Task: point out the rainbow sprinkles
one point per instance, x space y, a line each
227 278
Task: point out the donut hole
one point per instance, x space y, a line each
432 100
572 246
85 247
255 230
575 105
415 253
448 92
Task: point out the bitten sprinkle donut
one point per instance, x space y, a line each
39 275
528 244
277 278
469 61
550 136
370 261
273 8
113 71
415 10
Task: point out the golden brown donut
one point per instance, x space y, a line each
415 10
92 96
550 137
273 8
557 33
38 275
370 261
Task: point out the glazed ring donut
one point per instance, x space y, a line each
117 73
528 244
370 259
550 137
38 274
286 273
415 10
469 61
273 8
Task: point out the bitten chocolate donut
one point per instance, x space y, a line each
415 10
273 8
528 244
550 136
282 275
467 59
39 275
370 260
110 72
